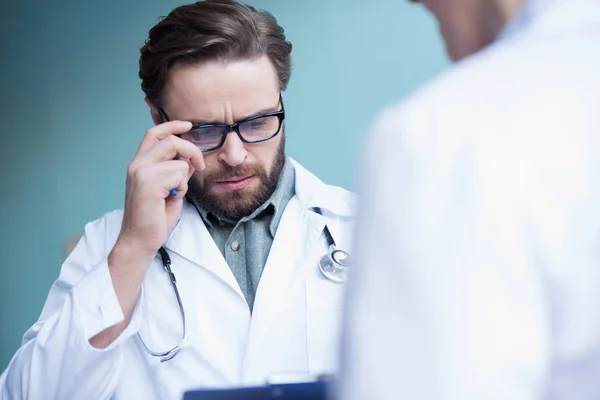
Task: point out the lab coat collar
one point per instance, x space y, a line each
313 193
310 191
551 15
191 239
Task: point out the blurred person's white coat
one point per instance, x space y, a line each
477 273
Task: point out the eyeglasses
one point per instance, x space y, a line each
256 129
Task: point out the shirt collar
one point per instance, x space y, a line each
314 193
276 203
282 195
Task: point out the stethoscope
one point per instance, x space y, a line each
169 354
333 265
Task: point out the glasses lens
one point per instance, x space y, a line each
206 138
259 129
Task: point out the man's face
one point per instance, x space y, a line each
239 176
466 25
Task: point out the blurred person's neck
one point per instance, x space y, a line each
498 14
483 23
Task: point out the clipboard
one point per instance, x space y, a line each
286 391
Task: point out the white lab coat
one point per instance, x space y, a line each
477 265
294 327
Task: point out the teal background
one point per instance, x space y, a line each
72 113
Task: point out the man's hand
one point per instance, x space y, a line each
163 162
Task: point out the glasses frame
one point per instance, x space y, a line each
235 127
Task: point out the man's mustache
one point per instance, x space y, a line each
232 172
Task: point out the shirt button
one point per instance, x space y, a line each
235 245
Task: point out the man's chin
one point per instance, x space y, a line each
236 204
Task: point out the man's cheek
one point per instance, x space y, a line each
197 179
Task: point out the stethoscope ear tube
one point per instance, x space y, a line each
169 354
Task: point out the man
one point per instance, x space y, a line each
477 269
241 227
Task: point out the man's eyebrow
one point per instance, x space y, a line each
268 110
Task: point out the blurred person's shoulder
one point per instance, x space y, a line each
512 85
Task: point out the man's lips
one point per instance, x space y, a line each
234 183
234 179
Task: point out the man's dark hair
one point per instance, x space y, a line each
211 30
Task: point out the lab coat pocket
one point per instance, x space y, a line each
323 325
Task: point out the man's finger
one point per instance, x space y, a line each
173 147
162 131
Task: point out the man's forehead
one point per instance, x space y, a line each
204 109
219 90
218 79
226 111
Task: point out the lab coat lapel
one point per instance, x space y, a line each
299 232
191 240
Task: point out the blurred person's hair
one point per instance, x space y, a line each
211 30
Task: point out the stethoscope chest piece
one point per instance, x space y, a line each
334 265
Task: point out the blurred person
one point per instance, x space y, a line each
477 265
212 199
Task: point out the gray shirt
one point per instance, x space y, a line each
245 244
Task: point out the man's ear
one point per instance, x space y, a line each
156 117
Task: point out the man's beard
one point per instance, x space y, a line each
236 204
